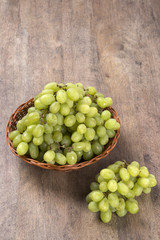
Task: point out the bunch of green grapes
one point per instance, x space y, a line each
68 123
116 187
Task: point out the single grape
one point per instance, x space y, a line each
80 117
107 174
89 134
133 171
106 216
87 147
33 150
121 213
76 137
101 131
83 108
17 140
92 112
48 128
20 126
121 205
135 163
60 118
57 136
61 96
87 100
112 185
66 141
137 189
143 182
130 194
48 138
73 94
143 172
31 109
38 141
60 159
22 148
81 128
112 124
51 119
101 102
64 109
47 99
97 148
49 156
110 133
30 128
152 181
103 186
99 178
13 134
113 200
104 140
32 118
52 85
43 147
71 157
147 190
108 101
26 137
79 155
54 107
96 195
103 205
91 90
129 183
124 174
131 207
106 115
93 206
88 155
38 131
78 146
122 188
39 105
94 186
70 120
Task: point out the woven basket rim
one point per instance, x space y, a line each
112 143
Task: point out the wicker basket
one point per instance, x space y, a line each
22 110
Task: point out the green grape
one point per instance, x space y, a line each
92 112
97 148
134 163
70 120
80 85
121 213
143 182
108 101
30 128
38 105
133 179
22 148
132 207
38 131
54 107
124 174
133 171
88 199
104 140
114 167
101 131
57 128
83 108
53 146
79 155
94 186
73 94
102 103
46 91
78 146
63 129
47 99
122 188
96 195
89 134
81 129
143 172
13 134
112 185
26 137
93 206
137 189
48 138
95 137
72 111
31 109
66 141
71 157
147 190
112 209
20 126
64 109
60 159
70 103
57 136
17 140
88 155
80 117
103 205
107 174
91 90
73 128
52 85
106 216
152 181
130 194
112 124
129 183
60 118
40 157
106 115
98 94
103 186
61 96
110 133
32 118
33 150
38 140
99 120
51 119
87 100
76 137
87 147
99 178
113 200
121 205
49 156
43 147
48 128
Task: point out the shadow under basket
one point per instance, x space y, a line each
21 111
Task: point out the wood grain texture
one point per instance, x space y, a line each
113 45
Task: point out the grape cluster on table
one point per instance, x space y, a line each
67 123
116 187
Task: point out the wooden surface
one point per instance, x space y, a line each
112 45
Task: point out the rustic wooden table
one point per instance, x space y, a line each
112 45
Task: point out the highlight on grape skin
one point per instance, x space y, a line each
116 187
67 124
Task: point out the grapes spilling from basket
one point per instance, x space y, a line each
116 187
67 123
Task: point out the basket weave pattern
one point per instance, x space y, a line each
21 111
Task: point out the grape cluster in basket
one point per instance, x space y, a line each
66 124
116 187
